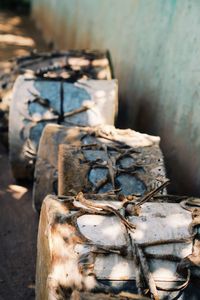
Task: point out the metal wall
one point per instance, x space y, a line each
155 47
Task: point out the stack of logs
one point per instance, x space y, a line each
108 229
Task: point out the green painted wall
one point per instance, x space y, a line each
155 46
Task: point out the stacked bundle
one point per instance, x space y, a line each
98 237
71 65
72 88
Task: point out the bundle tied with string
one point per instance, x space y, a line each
93 244
37 102
71 65
111 158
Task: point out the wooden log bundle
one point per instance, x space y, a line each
92 244
72 65
37 102
110 231
123 160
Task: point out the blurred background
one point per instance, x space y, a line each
22 5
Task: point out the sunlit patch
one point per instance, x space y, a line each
163 273
21 52
102 74
90 220
5 66
16 40
10 25
17 191
123 269
114 267
187 250
176 221
31 286
6 27
100 62
139 233
102 230
81 62
100 94
15 21
112 93
108 231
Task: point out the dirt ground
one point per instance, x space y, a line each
18 222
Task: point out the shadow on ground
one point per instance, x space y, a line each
18 222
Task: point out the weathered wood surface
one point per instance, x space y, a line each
36 103
84 240
147 158
101 169
69 65
92 64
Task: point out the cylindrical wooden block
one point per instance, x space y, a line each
36 103
146 158
91 243
73 65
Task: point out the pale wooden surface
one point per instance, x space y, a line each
163 221
60 249
101 95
